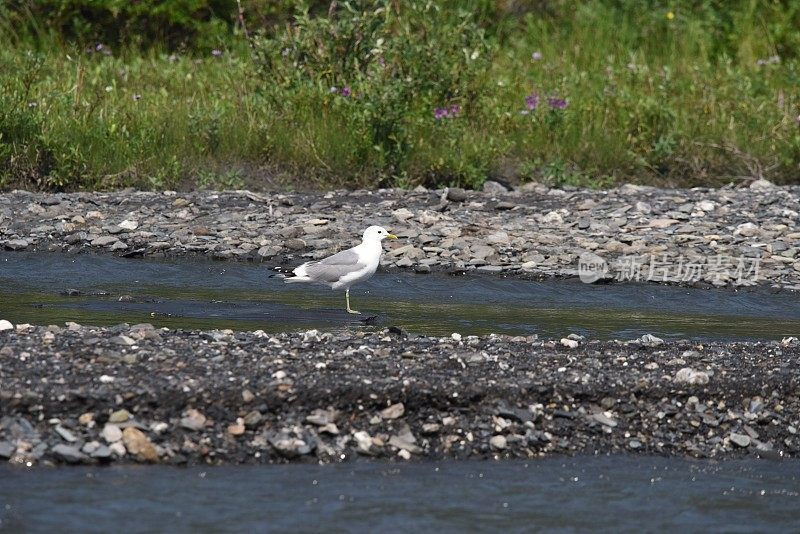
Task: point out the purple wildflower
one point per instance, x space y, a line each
346 92
557 103
532 101
216 52
447 112
100 48
536 56
797 119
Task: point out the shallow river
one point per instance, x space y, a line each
618 493
565 494
44 288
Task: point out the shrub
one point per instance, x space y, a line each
386 65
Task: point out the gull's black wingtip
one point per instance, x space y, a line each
281 272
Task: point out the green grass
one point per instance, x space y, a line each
651 99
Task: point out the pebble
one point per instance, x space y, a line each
687 375
103 241
456 194
69 454
739 439
494 188
193 420
477 397
535 231
498 443
129 225
394 411
236 429
7 450
649 340
119 416
139 445
65 434
17 244
111 433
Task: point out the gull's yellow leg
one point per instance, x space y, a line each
347 297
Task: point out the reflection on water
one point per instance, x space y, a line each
204 294
616 493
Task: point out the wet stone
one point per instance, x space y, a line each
7 449
69 454
17 244
740 440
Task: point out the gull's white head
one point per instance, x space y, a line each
377 233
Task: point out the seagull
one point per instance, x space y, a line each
347 267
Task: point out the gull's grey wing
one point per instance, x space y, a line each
345 257
331 273
332 268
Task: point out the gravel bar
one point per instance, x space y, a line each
534 231
79 395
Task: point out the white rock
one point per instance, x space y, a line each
747 229
494 188
129 225
363 439
762 185
105 379
402 214
687 375
5 325
111 433
552 217
456 336
118 448
649 340
498 443
705 205
571 343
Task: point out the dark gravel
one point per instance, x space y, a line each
80 395
534 231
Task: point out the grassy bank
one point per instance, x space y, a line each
593 96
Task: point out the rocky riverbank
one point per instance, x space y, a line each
137 394
730 236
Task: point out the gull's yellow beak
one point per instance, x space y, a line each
391 236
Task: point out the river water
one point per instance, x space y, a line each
615 493
43 288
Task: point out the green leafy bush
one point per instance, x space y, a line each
374 68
